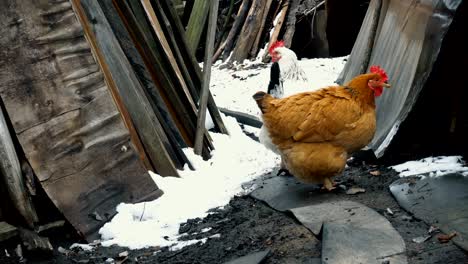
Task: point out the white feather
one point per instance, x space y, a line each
264 137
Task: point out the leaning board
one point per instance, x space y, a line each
64 115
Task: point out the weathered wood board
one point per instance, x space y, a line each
7 231
134 97
64 116
12 177
186 60
164 77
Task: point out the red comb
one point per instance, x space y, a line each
275 45
377 69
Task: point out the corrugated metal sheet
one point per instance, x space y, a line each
407 43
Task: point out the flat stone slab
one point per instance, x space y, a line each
440 201
283 193
348 244
254 258
341 212
352 233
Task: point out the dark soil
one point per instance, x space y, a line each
247 225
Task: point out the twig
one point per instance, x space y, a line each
143 213
314 8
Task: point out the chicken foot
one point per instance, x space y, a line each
328 184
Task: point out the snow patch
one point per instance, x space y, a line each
237 159
432 167
232 88
84 247
204 230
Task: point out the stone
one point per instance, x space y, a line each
440 201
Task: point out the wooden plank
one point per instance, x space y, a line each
141 33
35 243
209 47
146 123
12 177
243 118
185 69
260 35
277 28
154 57
7 231
249 31
64 116
222 31
179 7
186 60
165 79
167 49
291 23
161 36
170 130
196 23
228 44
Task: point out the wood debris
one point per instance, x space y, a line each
444 238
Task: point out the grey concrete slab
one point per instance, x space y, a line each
283 193
352 233
440 201
343 212
350 244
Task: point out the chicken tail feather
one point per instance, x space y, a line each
259 98
275 87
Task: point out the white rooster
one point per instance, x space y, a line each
285 73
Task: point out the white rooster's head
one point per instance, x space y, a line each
287 60
279 52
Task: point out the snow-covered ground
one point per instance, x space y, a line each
233 88
236 160
432 167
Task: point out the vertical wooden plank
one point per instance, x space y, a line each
176 142
197 23
141 33
250 28
209 47
120 106
12 177
187 60
64 116
167 49
277 28
161 37
148 127
255 46
165 79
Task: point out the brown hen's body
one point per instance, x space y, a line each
316 131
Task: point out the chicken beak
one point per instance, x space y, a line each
386 85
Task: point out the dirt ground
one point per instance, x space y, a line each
247 226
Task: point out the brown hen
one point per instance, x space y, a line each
316 131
